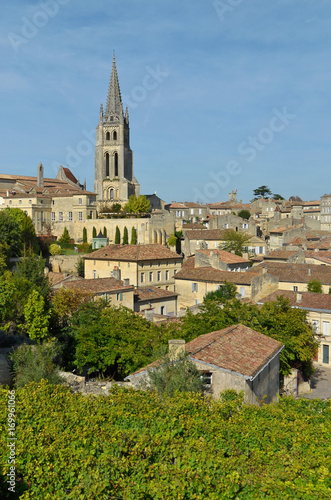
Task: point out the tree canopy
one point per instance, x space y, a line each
233 241
262 192
17 231
137 205
315 286
244 214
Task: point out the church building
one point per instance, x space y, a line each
114 177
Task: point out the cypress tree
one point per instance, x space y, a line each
84 235
117 236
133 236
94 232
105 231
125 236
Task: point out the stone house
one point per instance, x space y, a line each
193 283
156 300
220 259
140 265
236 358
232 221
292 256
318 307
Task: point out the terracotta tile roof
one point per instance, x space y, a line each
191 204
177 205
205 234
70 175
320 301
152 293
194 226
281 254
236 349
283 229
99 285
317 202
227 257
189 262
294 273
56 278
212 275
134 253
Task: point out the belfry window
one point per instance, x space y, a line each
115 135
116 164
107 164
107 136
111 194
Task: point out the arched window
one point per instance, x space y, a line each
116 164
108 136
107 164
115 135
111 194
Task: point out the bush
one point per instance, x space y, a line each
33 363
65 238
54 249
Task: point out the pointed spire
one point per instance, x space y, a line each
114 99
126 115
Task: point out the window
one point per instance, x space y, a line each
120 296
177 213
53 216
80 215
70 216
30 201
107 164
192 211
206 379
9 202
91 214
107 136
159 276
200 211
326 328
60 216
151 276
94 274
316 326
242 291
41 216
163 310
79 201
226 226
194 287
167 275
142 277
115 135
116 165
295 288
326 354
20 202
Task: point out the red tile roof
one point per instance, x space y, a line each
99 285
153 293
294 273
212 275
227 257
281 254
320 301
205 234
237 349
134 253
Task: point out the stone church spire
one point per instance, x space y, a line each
114 100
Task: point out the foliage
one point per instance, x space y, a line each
65 238
105 231
295 198
244 214
234 241
84 235
137 205
117 236
179 375
113 339
17 231
277 197
4 257
34 363
115 208
315 286
80 267
36 318
54 249
125 236
32 268
175 240
133 236
227 291
261 192
65 302
94 232
14 291
135 446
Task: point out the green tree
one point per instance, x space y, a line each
262 192
17 231
277 197
36 317
32 268
35 363
175 240
133 236
54 249
244 214
315 286
171 376
137 205
125 236
80 267
84 235
234 241
224 292
65 238
94 232
112 339
117 236
4 257
105 231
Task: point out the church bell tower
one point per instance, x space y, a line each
114 179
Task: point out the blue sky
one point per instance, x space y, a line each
222 95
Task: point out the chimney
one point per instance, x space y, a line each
299 297
176 348
309 271
116 273
149 314
264 270
40 175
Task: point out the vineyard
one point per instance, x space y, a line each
132 445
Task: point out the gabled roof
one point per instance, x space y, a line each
319 301
134 253
236 349
294 273
152 293
227 257
99 285
212 275
205 234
